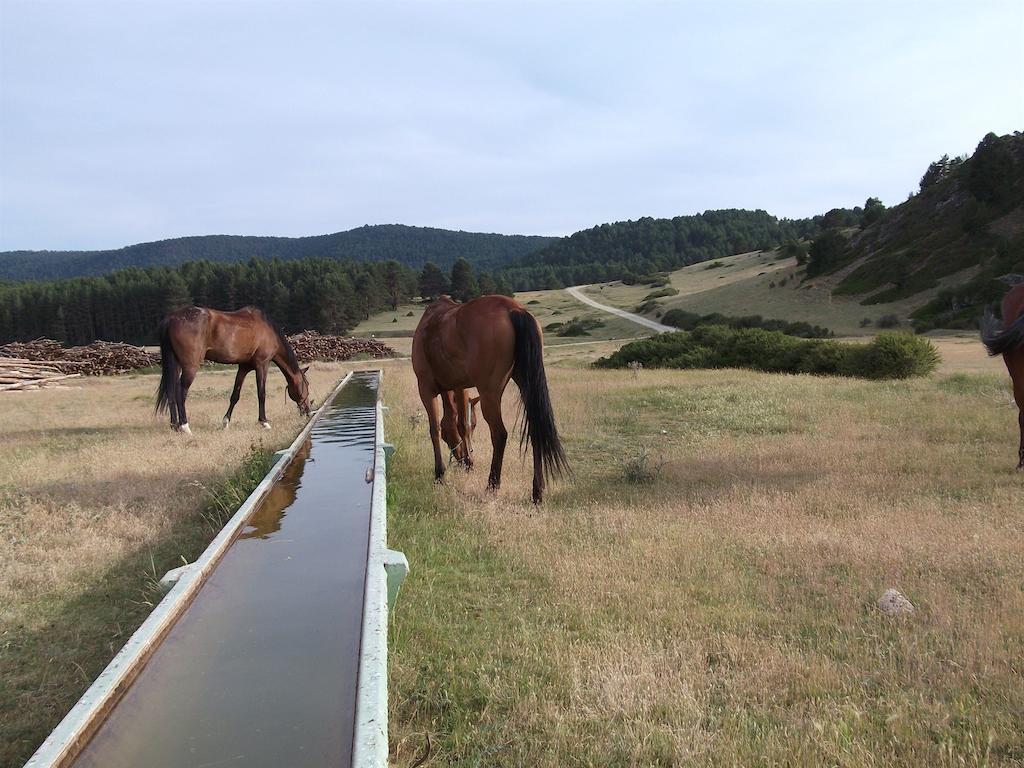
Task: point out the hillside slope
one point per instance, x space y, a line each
962 230
626 249
412 246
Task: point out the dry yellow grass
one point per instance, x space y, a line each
719 613
751 284
98 496
723 612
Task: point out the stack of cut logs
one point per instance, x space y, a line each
44 362
19 375
310 345
96 359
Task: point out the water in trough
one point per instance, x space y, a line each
260 669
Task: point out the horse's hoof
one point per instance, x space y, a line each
184 429
265 424
226 422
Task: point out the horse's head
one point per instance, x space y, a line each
298 391
451 434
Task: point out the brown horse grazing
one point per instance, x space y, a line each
246 337
484 343
1007 339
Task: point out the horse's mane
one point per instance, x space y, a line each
289 352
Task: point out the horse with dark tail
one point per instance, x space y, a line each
485 343
246 337
1006 338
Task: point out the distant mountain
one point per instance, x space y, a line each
962 230
412 246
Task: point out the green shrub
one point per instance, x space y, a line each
888 321
687 321
888 356
661 294
577 327
892 356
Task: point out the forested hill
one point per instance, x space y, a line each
960 231
412 246
631 248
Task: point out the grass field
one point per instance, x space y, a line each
719 612
98 499
751 284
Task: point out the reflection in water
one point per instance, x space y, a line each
267 518
261 668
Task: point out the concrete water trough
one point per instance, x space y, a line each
270 649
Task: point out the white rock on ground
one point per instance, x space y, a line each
895 603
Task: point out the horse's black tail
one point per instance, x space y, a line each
538 419
999 340
170 375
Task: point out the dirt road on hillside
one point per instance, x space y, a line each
576 292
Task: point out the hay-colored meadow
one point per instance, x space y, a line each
716 608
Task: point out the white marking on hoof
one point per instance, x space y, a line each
265 424
184 428
226 422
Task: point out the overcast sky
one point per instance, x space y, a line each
127 122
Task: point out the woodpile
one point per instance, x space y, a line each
310 345
96 359
44 362
19 375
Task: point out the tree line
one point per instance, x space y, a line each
412 246
324 295
629 249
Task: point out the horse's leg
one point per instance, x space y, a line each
1020 420
429 400
490 407
261 393
188 375
243 371
461 401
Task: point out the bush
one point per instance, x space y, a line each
892 356
888 356
888 321
578 327
660 294
533 301
687 321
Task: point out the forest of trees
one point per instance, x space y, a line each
412 246
312 294
320 294
633 248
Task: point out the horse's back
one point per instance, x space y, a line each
463 345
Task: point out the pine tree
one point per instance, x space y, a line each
463 283
432 282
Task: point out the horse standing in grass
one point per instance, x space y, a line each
246 337
484 343
1007 339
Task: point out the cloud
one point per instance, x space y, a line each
128 122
